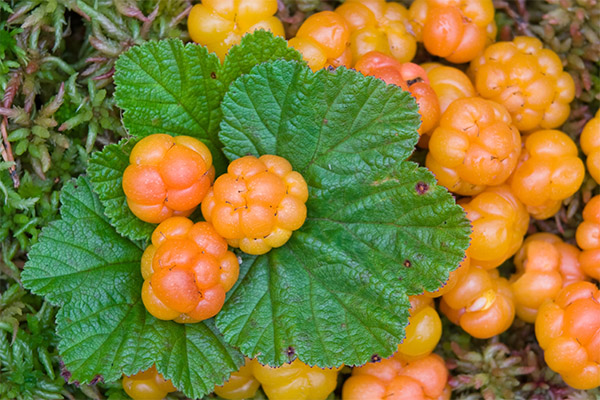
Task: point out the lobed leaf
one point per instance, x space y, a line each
378 227
169 87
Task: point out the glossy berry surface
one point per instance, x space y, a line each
455 30
548 172
482 303
296 381
241 384
526 79
147 385
187 270
167 176
424 329
409 77
588 238
474 146
257 204
377 25
544 265
219 24
395 378
568 329
499 222
324 40
590 144
448 83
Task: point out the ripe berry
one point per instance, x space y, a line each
588 238
395 378
167 176
147 385
548 172
424 329
187 270
590 144
499 222
324 39
456 31
218 24
409 77
475 145
526 79
568 329
482 303
257 204
241 384
377 25
296 381
545 264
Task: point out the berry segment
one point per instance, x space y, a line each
590 144
167 176
219 24
147 385
257 204
424 329
241 384
448 83
187 270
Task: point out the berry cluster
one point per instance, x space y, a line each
492 138
255 206
219 24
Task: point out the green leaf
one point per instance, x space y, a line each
82 264
336 125
169 87
166 87
378 227
254 49
106 174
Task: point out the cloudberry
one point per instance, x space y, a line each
526 79
219 24
167 176
187 270
257 204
